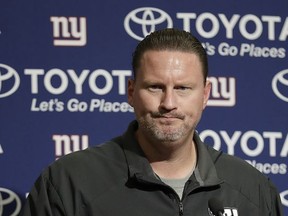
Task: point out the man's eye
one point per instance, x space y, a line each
155 88
182 88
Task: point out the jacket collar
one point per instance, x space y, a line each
205 172
138 164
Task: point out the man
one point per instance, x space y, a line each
159 166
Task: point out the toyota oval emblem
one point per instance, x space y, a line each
9 80
10 202
280 85
142 21
284 198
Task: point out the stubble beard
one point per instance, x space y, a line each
164 133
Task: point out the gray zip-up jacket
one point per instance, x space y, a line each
115 178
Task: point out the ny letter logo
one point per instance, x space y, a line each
223 91
69 31
65 144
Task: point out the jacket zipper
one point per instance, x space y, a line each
180 203
181 208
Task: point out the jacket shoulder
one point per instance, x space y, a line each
105 160
240 176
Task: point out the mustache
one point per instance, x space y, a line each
167 115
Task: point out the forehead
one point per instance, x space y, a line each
170 64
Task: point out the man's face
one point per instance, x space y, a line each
168 95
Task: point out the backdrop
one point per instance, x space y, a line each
64 66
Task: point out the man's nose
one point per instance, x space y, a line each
168 100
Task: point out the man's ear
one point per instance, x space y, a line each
207 89
130 91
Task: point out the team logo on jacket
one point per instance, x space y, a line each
228 211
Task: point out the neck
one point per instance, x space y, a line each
170 160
